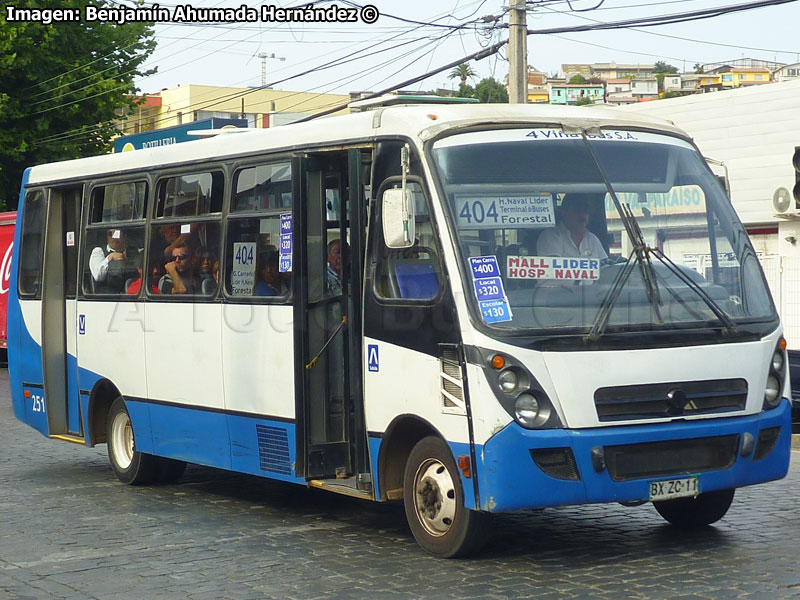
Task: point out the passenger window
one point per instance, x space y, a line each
184 260
34 217
262 187
190 195
114 258
411 273
259 256
118 202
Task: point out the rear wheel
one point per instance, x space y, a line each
129 465
704 509
434 503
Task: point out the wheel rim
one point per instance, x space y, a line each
122 440
434 497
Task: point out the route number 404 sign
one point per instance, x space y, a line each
491 212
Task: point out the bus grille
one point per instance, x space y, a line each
273 450
660 400
673 457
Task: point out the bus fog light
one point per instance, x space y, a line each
777 362
772 391
526 410
508 381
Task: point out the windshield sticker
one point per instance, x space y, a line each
489 290
491 212
552 267
285 257
484 266
495 311
552 134
558 134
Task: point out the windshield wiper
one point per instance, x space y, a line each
642 258
723 317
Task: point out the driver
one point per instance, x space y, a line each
571 238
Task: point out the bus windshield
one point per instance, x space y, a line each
618 231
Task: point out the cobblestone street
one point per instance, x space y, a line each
69 529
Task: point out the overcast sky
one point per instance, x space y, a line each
226 55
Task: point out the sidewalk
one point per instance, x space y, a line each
796 441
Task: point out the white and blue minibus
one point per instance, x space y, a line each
469 309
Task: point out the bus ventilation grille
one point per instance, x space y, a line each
452 384
273 450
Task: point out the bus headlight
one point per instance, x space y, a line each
773 391
529 412
776 376
526 409
508 381
777 362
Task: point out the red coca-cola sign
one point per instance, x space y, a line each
7 221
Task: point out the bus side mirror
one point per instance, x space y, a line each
398 218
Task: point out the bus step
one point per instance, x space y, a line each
340 487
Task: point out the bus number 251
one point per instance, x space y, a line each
38 403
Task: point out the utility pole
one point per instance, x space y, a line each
263 56
517 53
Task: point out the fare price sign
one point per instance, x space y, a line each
285 257
489 290
492 212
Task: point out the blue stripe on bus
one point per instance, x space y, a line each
510 480
15 326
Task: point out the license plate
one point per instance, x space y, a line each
674 488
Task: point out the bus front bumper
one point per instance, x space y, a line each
530 469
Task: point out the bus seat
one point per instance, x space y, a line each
208 287
128 283
415 279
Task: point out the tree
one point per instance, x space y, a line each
63 87
462 72
662 67
491 90
698 68
466 91
584 100
577 79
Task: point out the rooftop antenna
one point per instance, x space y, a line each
264 56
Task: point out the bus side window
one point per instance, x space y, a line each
411 273
255 265
32 243
114 239
113 257
183 260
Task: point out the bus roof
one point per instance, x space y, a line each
416 122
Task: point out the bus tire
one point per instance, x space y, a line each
168 470
434 503
702 510
129 465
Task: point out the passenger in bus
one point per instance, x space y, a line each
206 261
155 275
170 238
107 264
270 282
333 274
570 237
180 277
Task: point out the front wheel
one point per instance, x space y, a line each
129 465
699 511
434 503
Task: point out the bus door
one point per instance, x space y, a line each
327 261
59 312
